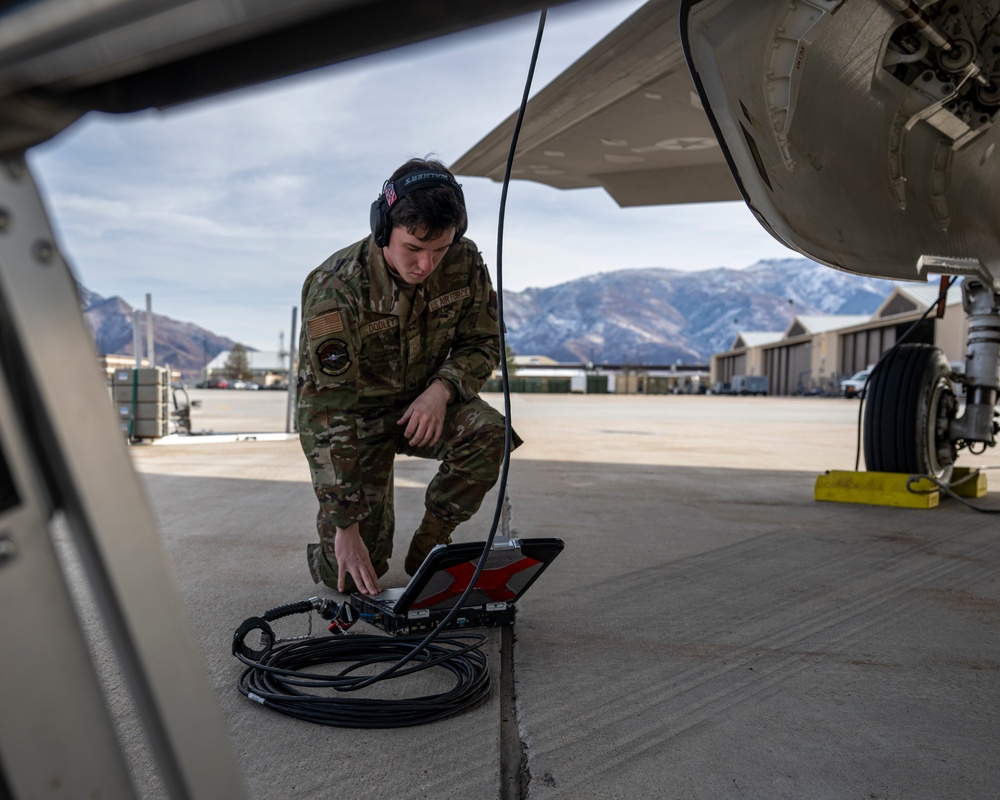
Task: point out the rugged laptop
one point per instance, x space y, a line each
511 567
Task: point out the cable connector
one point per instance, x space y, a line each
340 616
266 638
324 606
343 620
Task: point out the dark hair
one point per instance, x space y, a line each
435 208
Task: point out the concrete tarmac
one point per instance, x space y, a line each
710 631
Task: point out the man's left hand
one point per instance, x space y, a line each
424 419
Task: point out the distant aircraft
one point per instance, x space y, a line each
859 132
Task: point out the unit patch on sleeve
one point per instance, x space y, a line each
324 325
451 297
333 357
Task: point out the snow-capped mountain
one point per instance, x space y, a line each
659 316
638 316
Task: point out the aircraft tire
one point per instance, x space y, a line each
909 405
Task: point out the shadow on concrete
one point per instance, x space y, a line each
707 633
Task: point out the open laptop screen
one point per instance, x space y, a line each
510 569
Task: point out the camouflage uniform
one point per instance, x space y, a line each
366 353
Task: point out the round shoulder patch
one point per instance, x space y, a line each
333 357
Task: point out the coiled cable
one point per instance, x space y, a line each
282 679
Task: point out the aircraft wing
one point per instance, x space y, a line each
62 58
860 135
625 116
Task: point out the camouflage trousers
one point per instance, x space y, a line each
470 451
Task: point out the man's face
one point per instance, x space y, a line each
412 258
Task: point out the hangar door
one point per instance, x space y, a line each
729 366
862 349
789 368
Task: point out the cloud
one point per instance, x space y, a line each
220 208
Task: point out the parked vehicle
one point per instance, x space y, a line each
213 383
751 384
855 385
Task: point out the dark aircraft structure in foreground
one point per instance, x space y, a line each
860 133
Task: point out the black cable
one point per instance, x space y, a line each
948 489
278 680
499 288
273 673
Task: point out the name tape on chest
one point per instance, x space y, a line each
325 324
380 325
451 297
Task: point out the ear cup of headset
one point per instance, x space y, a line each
379 221
460 232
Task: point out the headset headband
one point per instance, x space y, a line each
402 186
417 180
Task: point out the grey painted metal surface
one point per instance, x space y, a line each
60 59
76 447
55 731
624 116
840 157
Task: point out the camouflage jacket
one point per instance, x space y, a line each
366 352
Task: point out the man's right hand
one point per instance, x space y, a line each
353 559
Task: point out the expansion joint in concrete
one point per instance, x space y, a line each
514 774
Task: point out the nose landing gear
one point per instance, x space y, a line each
912 421
910 407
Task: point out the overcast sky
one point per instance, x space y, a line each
221 208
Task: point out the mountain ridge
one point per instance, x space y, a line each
658 315
183 345
643 315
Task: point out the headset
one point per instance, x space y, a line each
402 186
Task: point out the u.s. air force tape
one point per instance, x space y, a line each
333 357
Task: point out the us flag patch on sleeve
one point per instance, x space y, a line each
325 324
